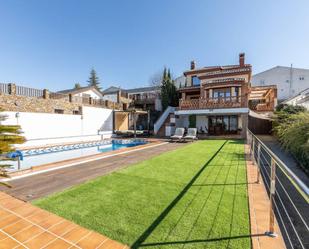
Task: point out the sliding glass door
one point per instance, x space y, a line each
219 125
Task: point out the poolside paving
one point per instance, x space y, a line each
43 184
25 226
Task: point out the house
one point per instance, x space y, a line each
289 80
146 98
87 91
117 95
301 99
112 93
217 100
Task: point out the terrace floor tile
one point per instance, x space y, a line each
25 226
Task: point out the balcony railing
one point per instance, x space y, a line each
213 103
262 107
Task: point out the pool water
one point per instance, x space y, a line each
32 160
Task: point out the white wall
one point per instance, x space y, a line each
48 128
280 76
111 97
95 119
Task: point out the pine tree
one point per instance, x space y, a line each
94 79
169 95
77 86
9 135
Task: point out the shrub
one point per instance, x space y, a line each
292 131
291 109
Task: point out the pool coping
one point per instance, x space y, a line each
77 161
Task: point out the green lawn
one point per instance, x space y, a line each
192 197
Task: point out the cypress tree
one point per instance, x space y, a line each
94 79
169 95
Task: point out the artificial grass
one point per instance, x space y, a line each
192 197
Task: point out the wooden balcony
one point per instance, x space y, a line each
262 107
213 103
148 100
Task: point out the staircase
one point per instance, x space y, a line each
167 119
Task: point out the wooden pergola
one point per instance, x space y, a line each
135 112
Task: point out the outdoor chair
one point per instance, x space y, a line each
191 135
178 136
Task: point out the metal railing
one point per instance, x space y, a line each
29 92
4 88
288 194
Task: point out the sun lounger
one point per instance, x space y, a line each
178 136
191 135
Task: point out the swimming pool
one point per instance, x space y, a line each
46 155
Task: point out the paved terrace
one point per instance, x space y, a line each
25 226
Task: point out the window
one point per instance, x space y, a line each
75 112
301 78
59 111
223 124
195 81
236 93
222 93
287 81
262 82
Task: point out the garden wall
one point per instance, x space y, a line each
48 128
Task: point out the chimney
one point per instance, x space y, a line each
241 59
192 65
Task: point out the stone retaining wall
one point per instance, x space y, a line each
47 102
33 104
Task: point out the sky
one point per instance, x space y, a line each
54 44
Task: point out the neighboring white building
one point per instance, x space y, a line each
112 94
87 91
289 80
301 99
180 81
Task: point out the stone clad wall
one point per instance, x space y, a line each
33 104
42 101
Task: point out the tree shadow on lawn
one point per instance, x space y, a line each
138 243
236 141
183 242
223 184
